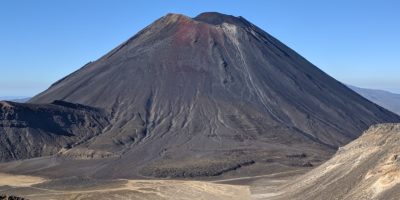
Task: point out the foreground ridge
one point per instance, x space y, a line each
367 168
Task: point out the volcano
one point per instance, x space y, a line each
206 96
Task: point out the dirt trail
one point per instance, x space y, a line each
257 177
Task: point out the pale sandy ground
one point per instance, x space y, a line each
30 187
244 188
19 180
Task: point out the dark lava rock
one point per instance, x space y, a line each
6 197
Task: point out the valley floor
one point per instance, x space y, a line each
35 188
252 187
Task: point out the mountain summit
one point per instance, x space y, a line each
208 95
215 18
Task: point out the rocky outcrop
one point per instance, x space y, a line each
10 197
366 169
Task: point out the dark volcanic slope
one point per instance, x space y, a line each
203 96
29 130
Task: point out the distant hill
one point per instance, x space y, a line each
388 100
15 99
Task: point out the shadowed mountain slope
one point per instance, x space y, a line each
209 95
31 130
367 168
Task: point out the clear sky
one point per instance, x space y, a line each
355 41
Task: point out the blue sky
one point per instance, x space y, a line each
355 41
